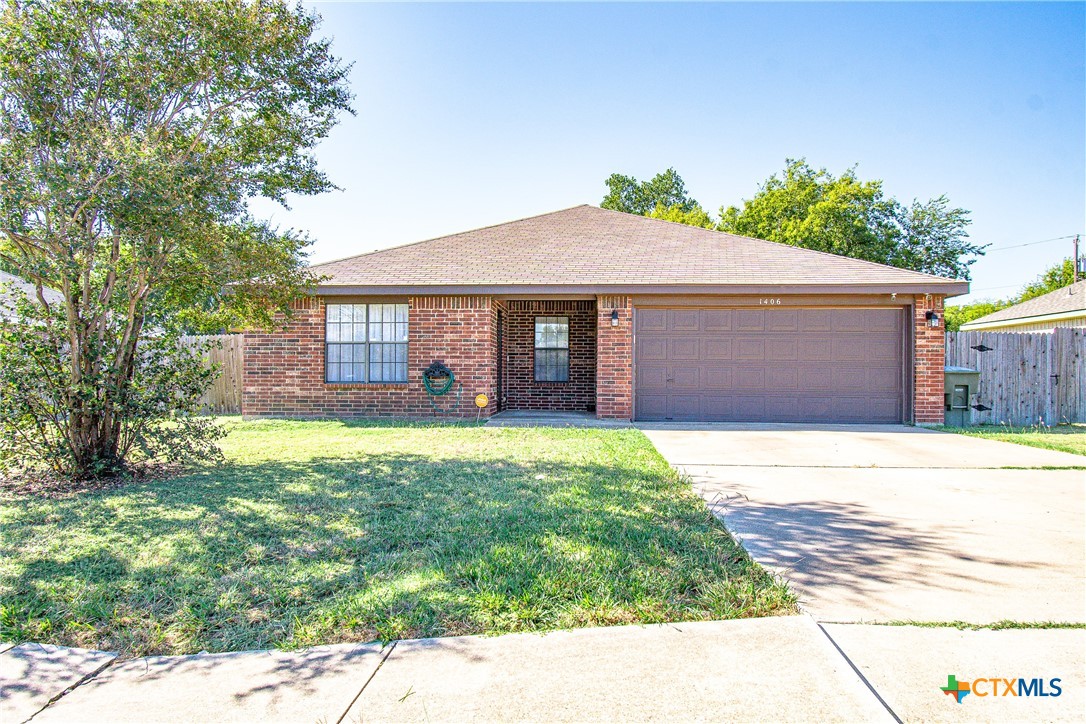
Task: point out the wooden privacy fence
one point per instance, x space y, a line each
224 395
1025 377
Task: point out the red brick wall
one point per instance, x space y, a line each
614 358
284 371
521 390
929 359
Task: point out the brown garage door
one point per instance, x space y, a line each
769 365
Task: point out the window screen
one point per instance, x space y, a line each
366 343
552 349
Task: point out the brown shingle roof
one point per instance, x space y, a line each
595 249
1068 299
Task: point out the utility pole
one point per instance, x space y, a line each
1076 258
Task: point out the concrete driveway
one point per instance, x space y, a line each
894 523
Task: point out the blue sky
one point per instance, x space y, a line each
470 115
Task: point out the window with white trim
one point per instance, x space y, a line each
552 349
365 343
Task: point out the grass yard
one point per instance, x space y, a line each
1066 438
322 532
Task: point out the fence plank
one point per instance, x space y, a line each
224 395
1027 377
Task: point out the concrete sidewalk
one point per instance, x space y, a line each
780 668
772 669
908 665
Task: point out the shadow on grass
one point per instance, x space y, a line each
385 546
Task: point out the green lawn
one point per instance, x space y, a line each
322 532
1068 438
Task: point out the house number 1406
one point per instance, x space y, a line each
769 301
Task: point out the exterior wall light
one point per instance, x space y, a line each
614 317
933 318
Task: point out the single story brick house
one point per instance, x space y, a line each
599 311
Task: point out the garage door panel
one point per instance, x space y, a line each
779 379
851 348
750 378
652 406
749 320
782 408
747 407
651 377
717 348
816 378
784 320
651 320
716 320
883 320
883 349
684 348
717 407
684 406
750 349
820 350
652 349
781 350
848 320
849 379
883 378
797 365
817 408
684 320
863 409
815 320
717 378
685 378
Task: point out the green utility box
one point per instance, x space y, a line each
961 384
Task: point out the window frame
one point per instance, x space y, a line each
536 349
367 342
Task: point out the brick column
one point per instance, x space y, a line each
614 358
929 359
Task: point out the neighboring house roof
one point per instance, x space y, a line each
588 249
1066 303
10 285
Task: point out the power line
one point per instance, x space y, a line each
1030 243
1005 286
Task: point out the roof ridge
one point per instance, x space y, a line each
446 236
776 243
1036 307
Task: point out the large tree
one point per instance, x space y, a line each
664 190
663 196
132 135
845 215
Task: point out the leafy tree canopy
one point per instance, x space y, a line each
665 190
845 215
957 315
134 134
813 208
692 217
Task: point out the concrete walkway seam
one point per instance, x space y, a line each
367 682
72 688
868 684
